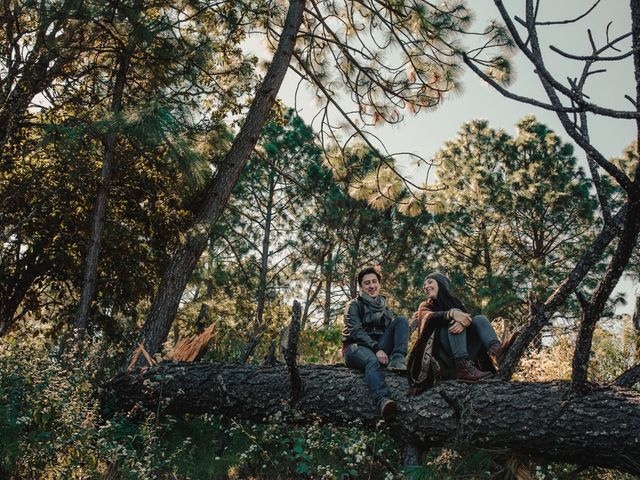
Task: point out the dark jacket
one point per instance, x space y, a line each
429 361
360 328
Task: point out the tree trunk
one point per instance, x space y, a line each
256 331
545 420
635 319
635 48
165 304
412 456
312 294
328 285
592 312
42 63
486 258
19 290
291 353
629 378
261 297
90 277
266 244
9 308
29 268
36 77
540 315
354 252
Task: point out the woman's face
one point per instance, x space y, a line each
430 288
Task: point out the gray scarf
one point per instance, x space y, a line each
377 306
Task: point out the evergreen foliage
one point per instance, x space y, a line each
511 214
139 103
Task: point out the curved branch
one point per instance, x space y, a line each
565 22
519 98
545 75
592 58
345 115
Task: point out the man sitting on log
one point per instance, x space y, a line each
372 338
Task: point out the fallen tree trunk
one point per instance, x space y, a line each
601 428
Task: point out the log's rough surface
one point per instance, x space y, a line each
600 428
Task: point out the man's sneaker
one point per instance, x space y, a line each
388 408
397 363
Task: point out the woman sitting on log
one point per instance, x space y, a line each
452 344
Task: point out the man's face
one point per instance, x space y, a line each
370 285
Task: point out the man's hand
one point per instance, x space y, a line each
382 357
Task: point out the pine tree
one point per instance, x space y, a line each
511 215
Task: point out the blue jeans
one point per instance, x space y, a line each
393 341
458 341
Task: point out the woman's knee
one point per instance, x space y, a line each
482 326
481 320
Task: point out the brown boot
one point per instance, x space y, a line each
499 350
466 371
496 354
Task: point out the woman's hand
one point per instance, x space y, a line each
459 321
461 317
456 328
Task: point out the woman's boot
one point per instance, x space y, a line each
496 354
498 350
466 371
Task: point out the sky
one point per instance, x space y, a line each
425 133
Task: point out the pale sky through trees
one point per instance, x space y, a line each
426 132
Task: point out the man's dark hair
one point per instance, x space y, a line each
367 271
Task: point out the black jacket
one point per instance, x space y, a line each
360 328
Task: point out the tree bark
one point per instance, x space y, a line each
165 304
540 315
629 378
10 306
592 312
90 277
635 45
635 318
29 268
291 353
601 428
328 285
412 456
261 297
266 244
27 76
